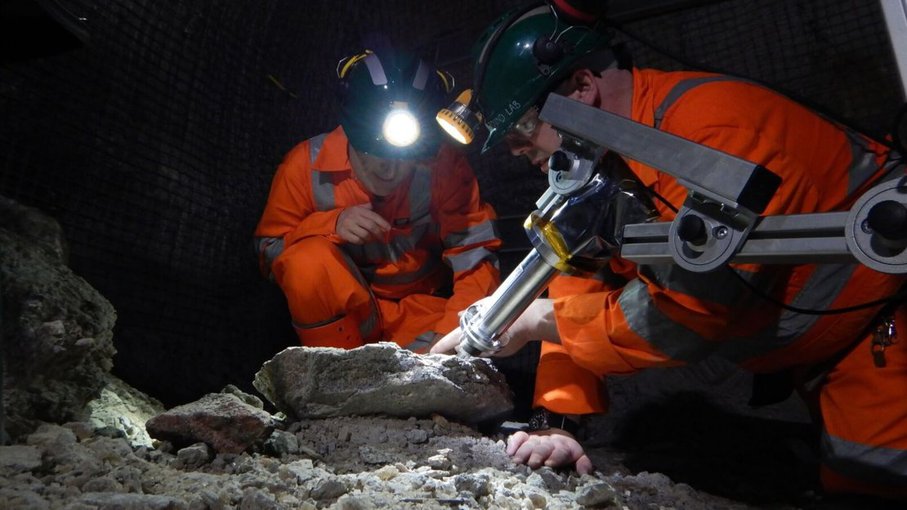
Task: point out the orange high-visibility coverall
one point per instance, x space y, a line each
667 316
342 295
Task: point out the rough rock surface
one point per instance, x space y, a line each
320 382
57 354
221 420
338 463
56 327
124 408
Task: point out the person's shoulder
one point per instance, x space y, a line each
714 99
449 151
307 150
450 159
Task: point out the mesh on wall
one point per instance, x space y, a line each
154 144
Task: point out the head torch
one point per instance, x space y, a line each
400 128
459 120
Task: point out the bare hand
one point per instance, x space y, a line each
359 224
535 323
448 343
553 448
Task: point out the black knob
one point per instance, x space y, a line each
889 220
692 230
560 162
547 51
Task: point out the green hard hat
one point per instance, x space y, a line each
372 86
522 57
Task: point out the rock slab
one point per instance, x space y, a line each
382 378
221 420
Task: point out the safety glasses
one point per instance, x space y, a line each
527 125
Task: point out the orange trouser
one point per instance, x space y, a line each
563 387
328 296
560 385
864 414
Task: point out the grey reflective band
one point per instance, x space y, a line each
420 195
647 321
323 190
366 327
818 293
269 248
680 343
875 464
421 77
419 222
315 144
476 234
862 166
421 341
863 161
322 182
375 253
375 69
470 259
719 287
682 88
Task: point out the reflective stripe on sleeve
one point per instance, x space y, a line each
719 287
471 259
647 321
886 466
475 234
322 182
420 195
863 162
268 249
682 88
681 343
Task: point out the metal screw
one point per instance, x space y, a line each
864 226
721 232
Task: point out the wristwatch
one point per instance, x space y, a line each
543 419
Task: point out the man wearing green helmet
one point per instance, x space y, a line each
664 316
376 231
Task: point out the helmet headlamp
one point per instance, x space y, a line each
458 120
401 128
520 59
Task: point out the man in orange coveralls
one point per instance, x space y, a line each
664 316
370 227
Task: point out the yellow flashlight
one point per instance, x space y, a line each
458 120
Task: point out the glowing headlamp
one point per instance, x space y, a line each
458 120
401 128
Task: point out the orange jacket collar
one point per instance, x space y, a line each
336 158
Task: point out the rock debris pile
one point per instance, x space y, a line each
336 463
376 427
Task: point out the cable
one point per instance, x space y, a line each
899 296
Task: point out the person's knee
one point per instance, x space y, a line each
307 260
